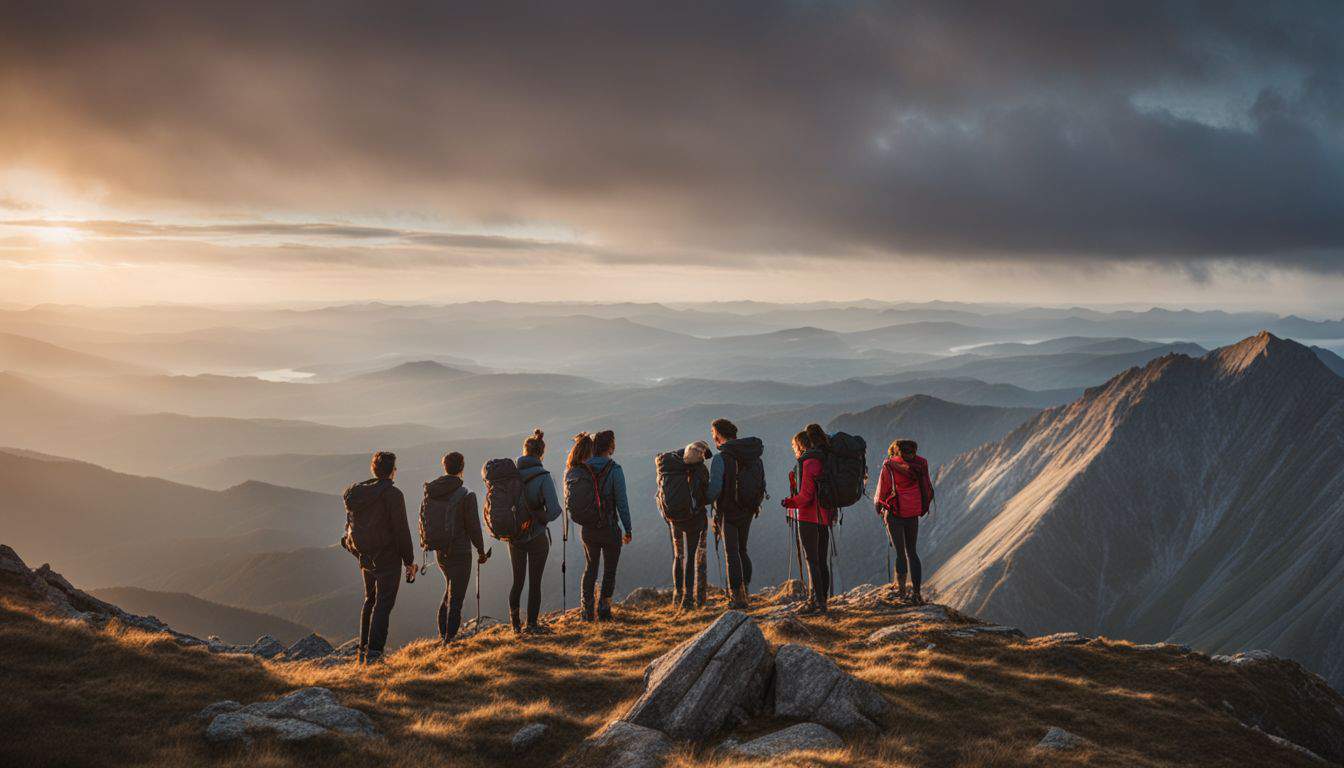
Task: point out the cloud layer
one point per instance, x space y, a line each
1068 133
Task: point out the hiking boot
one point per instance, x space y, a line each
740 599
538 629
373 659
916 598
586 612
604 609
362 654
809 608
516 621
677 600
901 593
687 606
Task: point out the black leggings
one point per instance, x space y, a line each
904 535
456 567
735 542
816 540
528 560
380 595
603 546
688 560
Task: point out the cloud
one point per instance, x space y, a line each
1063 133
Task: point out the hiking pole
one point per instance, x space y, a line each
564 562
488 552
788 567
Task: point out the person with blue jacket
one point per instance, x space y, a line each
602 543
737 463
528 552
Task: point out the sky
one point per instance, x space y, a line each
1053 152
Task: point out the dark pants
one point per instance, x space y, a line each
380 594
735 542
528 560
689 559
904 535
605 546
456 567
816 540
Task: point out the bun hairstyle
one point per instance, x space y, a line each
534 445
581 451
383 464
696 452
604 442
817 437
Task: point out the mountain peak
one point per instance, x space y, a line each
1240 357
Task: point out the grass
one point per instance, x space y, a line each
76 696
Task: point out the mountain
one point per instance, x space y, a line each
203 618
1051 371
1197 499
30 356
941 428
74 512
1331 360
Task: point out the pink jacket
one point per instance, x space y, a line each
805 503
904 489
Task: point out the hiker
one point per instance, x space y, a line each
814 520
377 534
595 499
528 551
450 526
904 493
736 488
683 482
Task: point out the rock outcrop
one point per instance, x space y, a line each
795 738
297 716
623 744
810 686
1058 739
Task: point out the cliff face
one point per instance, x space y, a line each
1200 500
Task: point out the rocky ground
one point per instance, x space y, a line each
877 682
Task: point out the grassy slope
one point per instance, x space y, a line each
81 697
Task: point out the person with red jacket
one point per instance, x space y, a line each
904 493
814 520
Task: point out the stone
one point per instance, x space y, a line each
527 737
893 634
1245 658
241 726
647 597
790 591
313 646
266 647
995 629
691 691
1059 739
795 738
218 708
926 612
1061 638
1294 746
810 686
1162 647
300 714
627 745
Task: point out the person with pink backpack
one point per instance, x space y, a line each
904 493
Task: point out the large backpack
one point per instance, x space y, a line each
366 530
506 516
744 477
441 519
583 496
675 490
844 471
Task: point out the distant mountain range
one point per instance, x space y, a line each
1197 499
203 618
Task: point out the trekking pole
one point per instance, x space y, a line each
788 567
488 552
564 562
834 534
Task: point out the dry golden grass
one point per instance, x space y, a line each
74 696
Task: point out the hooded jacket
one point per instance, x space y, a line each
375 493
721 469
613 491
904 488
538 495
444 487
805 503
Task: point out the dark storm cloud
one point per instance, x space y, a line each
1061 131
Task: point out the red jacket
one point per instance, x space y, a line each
804 502
904 489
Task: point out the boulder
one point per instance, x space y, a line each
313 646
691 691
218 708
790 591
527 737
242 726
810 686
1061 638
927 612
1059 739
647 597
302 714
893 634
266 647
1179 648
627 745
795 738
1245 658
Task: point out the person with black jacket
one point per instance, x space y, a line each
527 553
454 556
689 566
378 535
731 517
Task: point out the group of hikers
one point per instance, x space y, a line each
700 488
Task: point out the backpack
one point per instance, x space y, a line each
366 530
744 476
675 493
441 519
583 496
506 516
844 472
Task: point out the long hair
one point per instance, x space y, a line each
894 449
534 445
604 442
581 451
817 437
801 443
